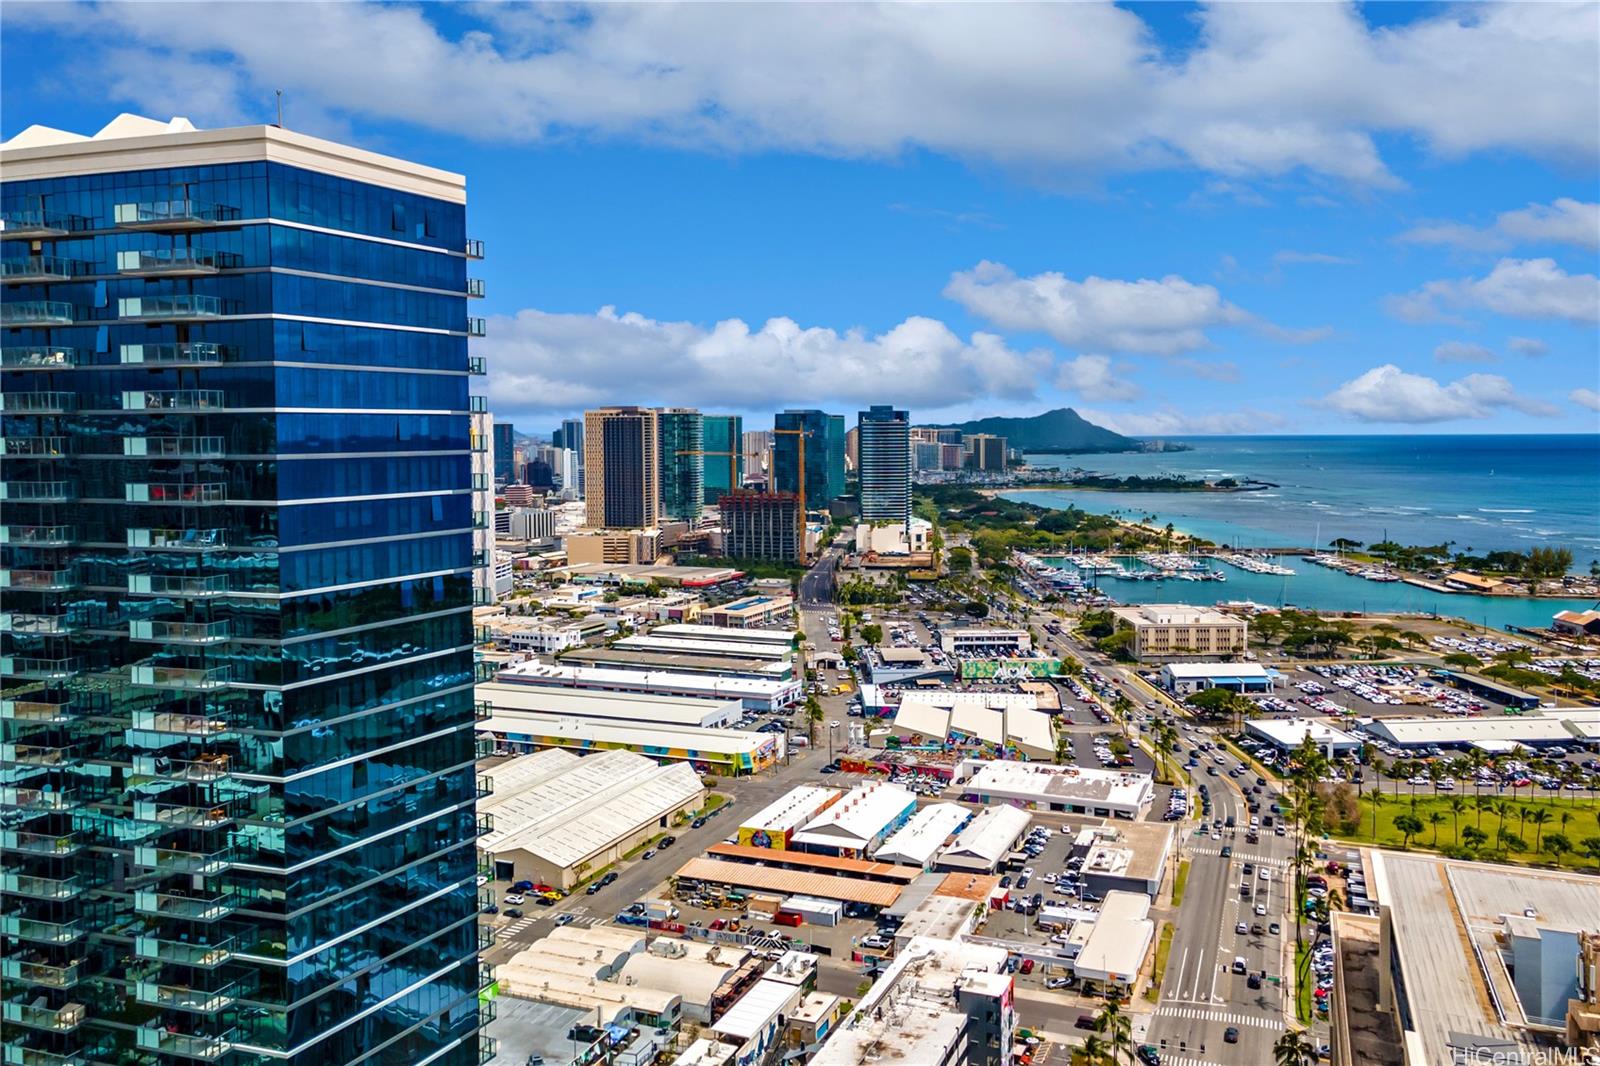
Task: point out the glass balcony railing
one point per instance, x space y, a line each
35 625
175 308
173 400
36 580
474 249
54 844
478 404
188 353
486 938
170 262
192 587
37 357
483 710
19 313
185 953
476 327
41 268
175 492
180 632
36 491
37 536
154 1036
175 861
37 932
37 712
37 668
38 754
485 825
38 403
18 1054
480 519
187 678
50 888
172 214
63 1019
180 447
39 972
37 799
486 978
479 443
485 787
198 908
475 287
186 725
32 225
488 1049
206 769
181 815
35 447
195 540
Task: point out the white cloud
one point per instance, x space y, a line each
1263 90
1564 221
1170 421
1520 288
1091 377
1166 316
1463 352
1388 394
540 361
1321 258
1585 398
1531 347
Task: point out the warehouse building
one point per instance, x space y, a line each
558 817
733 752
866 869
920 839
996 722
697 973
853 827
773 825
781 639
1496 735
1287 734
715 877
763 696
734 645
1183 679
680 662
1075 789
516 690
986 840
1497 692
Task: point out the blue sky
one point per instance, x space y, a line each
1253 218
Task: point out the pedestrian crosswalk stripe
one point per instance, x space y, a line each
1178 1060
1220 1017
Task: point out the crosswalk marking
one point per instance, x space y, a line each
1259 860
1179 1060
518 926
1220 1017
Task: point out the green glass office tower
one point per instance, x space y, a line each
681 437
824 444
237 792
723 434
884 464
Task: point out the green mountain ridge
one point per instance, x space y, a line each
1060 430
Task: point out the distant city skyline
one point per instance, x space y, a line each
1247 218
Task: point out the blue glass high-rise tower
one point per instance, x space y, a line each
236 683
823 435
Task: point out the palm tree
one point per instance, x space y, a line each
1293 1049
1095 1051
1522 819
1409 825
1540 818
1557 845
1473 838
1116 1025
1457 805
1501 808
1435 818
1375 799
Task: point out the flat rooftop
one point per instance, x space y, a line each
692 631
1223 671
730 647
1060 784
644 573
687 662
790 882
566 729
600 678
864 868
1292 732
1174 614
638 707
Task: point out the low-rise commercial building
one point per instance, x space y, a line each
680 662
1496 735
1126 857
733 752
733 645
756 1025
714 878
862 819
1288 734
763 696
773 825
986 840
1182 679
1077 789
1117 943
996 723
540 637
894 538
1164 631
524 687
924 834
888 666
750 612
984 642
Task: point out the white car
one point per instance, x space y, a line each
1261 910
1266 874
515 898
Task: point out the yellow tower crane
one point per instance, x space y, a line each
805 556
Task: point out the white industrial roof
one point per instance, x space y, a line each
858 817
985 723
691 631
729 646
1292 732
1046 783
990 835
1512 729
1120 938
984 633
920 838
791 809
124 125
575 729
1210 670
566 817
1030 730
613 937
949 697
765 1000
923 718
694 980
639 707
585 678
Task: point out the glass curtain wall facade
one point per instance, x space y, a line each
682 477
885 464
505 453
723 433
236 557
824 444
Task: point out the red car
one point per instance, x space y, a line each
1027 966
720 923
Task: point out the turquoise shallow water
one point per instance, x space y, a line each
1480 492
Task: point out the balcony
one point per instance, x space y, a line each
37 932
183 725
480 519
485 825
65 1019
37 536
38 669
173 400
475 288
37 971
486 978
39 225
197 587
35 625
18 1054
206 769
39 403
174 262
48 888
37 357
191 540
153 1036
180 632
181 816
184 953
175 492
189 353
172 214
184 678
35 491
181 307
40 269
486 938
473 249
35 447
477 364
37 799
191 908
174 861
36 313
478 405
485 787
488 1049
52 844
37 580
482 710
35 712
182 447
38 755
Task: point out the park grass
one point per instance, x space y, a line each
1179 883
1582 814
1163 949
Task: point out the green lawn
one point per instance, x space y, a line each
1163 949
1179 882
1583 821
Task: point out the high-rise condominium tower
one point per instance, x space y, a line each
723 434
682 435
823 437
885 468
622 468
236 687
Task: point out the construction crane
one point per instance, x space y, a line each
733 464
801 449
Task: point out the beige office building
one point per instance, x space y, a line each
622 470
1179 631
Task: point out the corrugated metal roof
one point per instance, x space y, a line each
922 836
879 871
860 816
991 834
790 882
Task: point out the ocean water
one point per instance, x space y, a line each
1481 492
